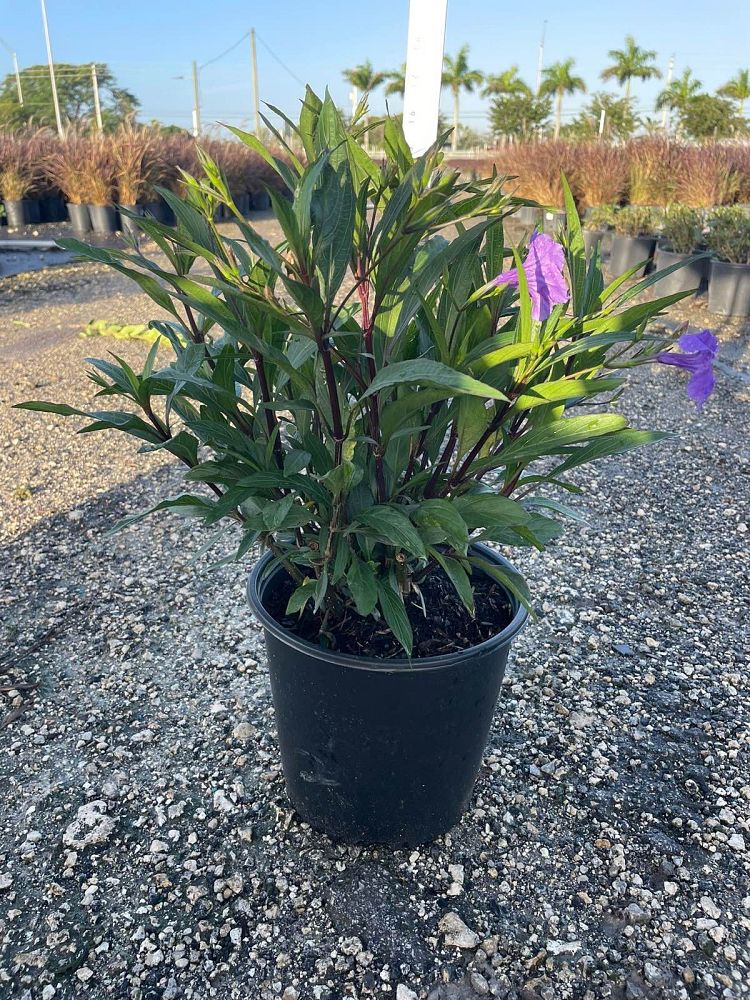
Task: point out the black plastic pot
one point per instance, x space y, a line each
160 211
130 226
592 238
260 201
690 276
627 251
52 209
527 215
79 216
380 751
104 219
729 288
553 221
20 212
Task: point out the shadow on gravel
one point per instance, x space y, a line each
148 843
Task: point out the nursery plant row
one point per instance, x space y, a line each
83 177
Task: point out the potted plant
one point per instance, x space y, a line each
17 176
597 222
728 237
681 237
634 240
67 168
99 172
377 406
135 168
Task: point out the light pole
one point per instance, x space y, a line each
55 101
540 64
16 72
97 103
256 96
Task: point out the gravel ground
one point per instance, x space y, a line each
147 849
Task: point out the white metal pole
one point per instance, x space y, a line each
97 104
540 63
196 101
665 111
602 117
256 96
55 101
424 72
18 79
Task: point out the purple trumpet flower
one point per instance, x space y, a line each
699 352
543 268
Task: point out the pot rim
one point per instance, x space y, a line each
716 262
257 582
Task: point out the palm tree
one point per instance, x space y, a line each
507 82
737 89
397 84
558 79
680 92
364 79
458 76
630 63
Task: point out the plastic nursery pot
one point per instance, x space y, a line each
20 212
52 209
592 238
526 215
694 275
80 218
627 251
128 226
260 201
553 221
380 751
160 212
104 219
729 288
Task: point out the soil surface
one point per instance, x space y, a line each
148 850
440 623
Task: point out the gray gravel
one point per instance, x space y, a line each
147 849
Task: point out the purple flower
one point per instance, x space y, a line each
543 268
699 351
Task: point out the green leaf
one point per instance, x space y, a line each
486 510
363 586
505 576
394 612
186 504
423 371
442 514
564 389
295 461
299 597
458 577
391 527
276 511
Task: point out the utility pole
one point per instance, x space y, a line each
256 97
602 118
18 79
196 102
665 111
16 72
97 104
55 101
540 64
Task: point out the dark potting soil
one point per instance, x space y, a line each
446 628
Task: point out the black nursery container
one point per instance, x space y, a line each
20 212
79 216
627 251
729 289
690 276
104 219
374 750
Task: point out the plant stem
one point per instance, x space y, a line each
333 395
272 423
373 403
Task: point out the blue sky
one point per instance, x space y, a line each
148 44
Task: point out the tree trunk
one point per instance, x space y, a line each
627 89
558 113
454 138
367 119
